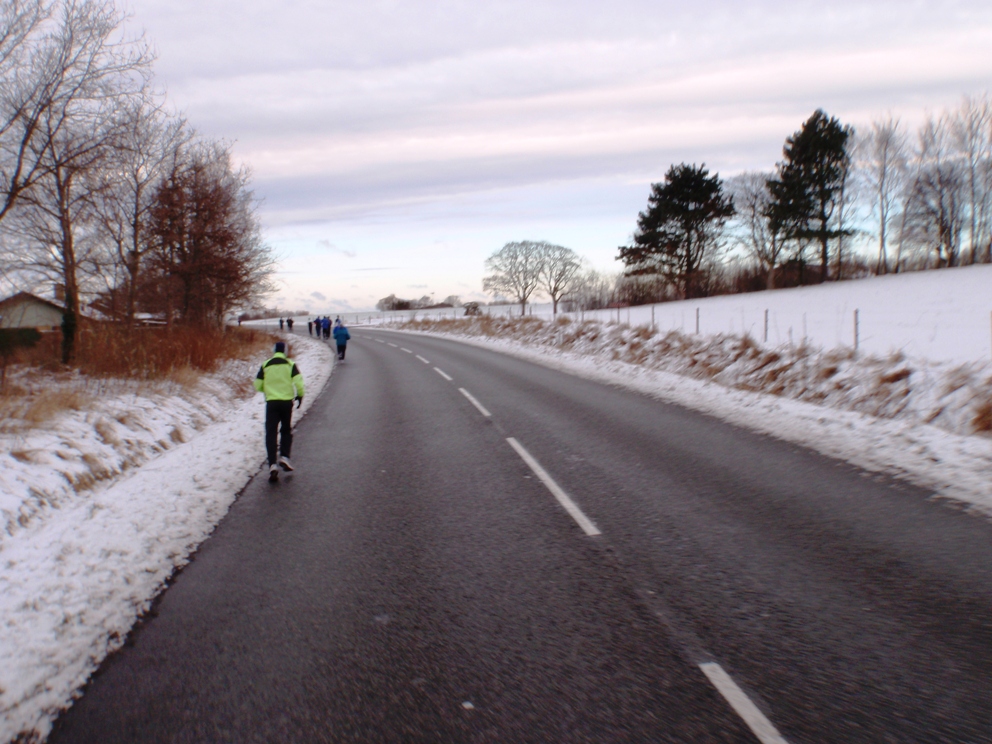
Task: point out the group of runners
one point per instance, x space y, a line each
322 327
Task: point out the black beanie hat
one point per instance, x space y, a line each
280 347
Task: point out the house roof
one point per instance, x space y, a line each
22 296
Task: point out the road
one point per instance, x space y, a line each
419 578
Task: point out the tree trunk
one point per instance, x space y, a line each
69 328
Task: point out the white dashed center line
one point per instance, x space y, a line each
422 359
392 344
406 350
379 341
477 404
583 521
442 374
741 703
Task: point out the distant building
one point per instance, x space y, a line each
25 310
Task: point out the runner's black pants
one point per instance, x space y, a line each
278 414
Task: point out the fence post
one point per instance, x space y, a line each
766 325
857 331
652 320
697 321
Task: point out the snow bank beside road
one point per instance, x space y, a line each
78 567
926 423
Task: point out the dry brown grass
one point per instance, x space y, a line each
982 421
105 430
163 353
38 388
111 350
42 408
895 376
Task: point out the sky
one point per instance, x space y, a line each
396 145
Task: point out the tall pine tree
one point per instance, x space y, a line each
807 186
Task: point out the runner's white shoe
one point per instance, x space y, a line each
285 464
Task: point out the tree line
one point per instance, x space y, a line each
842 203
394 303
104 192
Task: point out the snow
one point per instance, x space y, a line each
101 505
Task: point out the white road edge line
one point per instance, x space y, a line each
741 703
583 521
406 350
442 374
422 359
474 402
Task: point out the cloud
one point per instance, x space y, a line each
329 246
318 296
416 286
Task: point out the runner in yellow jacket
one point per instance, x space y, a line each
280 379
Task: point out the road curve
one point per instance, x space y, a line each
426 575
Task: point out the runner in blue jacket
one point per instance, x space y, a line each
341 337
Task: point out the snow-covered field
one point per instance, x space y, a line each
102 504
943 315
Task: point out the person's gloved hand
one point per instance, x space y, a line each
299 401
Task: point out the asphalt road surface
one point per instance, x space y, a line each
478 549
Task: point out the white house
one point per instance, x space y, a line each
25 310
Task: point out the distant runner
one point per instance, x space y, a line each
341 337
280 379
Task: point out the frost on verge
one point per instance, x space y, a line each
86 562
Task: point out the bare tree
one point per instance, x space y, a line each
23 87
559 270
972 135
67 57
148 146
515 271
883 169
753 229
594 289
936 204
77 74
